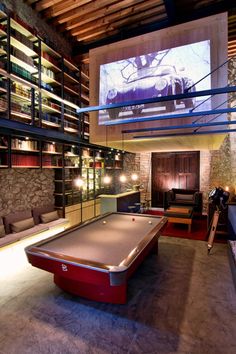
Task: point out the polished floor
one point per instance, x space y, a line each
182 301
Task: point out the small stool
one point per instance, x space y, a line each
143 207
131 208
148 204
138 206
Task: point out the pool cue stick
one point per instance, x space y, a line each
213 230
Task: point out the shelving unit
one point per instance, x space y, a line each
113 160
4 152
52 155
66 192
87 174
24 153
99 172
44 87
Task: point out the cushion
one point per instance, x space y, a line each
184 191
53 215
2 231
38 211
22 225
13 217
184 196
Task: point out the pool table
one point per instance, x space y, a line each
96 259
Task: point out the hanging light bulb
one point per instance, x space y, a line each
107 179
134 177
78 182
123 178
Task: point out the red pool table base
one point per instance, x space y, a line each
101 293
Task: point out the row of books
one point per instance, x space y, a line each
24 144
25 160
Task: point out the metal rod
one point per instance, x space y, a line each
181 96
185 134
184 126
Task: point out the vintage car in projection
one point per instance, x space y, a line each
159 81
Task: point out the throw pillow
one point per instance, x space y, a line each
188 197
22 225
2 231
47 217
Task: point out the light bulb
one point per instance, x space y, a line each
123 178
107 179
78 182
134 177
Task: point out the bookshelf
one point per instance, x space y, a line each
38 85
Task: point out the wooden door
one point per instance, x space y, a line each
173 170
162 175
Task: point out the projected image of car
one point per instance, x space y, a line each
151 82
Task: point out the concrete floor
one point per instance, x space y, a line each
182 301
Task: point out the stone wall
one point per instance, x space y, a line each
37 22
22 189
131 163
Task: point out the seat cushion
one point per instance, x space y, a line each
47 217
185 197
22 225
38 211
14 237
14 217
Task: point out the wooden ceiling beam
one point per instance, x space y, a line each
102 13
106 34
45 4
30 2
71 18
65 6
109 19
115 26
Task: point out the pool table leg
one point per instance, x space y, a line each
154 249
96 292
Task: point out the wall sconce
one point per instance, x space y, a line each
107 179
123 178
134 177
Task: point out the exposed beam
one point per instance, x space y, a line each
90 44
127 15
93 11
64 6
30 2
45 4
115 27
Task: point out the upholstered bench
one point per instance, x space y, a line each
16 226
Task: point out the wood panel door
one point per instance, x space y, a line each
173 170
